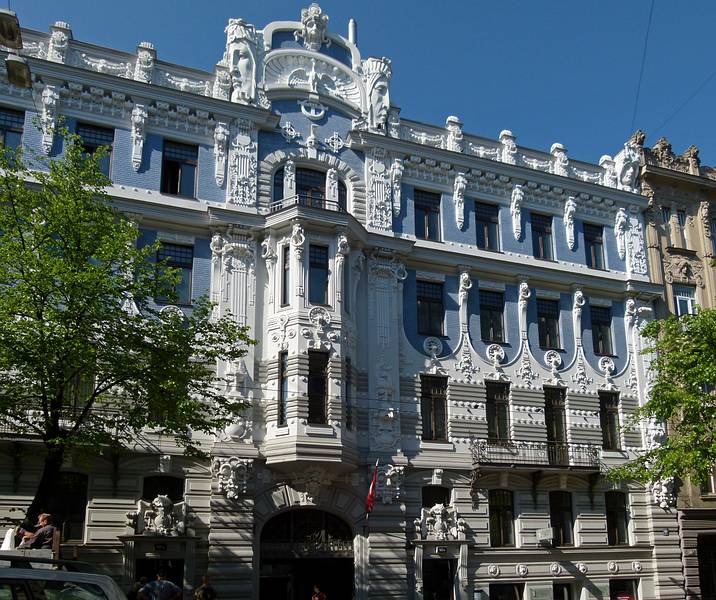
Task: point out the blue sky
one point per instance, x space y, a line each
549 70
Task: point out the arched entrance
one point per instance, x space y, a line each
303 547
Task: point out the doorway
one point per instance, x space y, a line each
438 578
149 567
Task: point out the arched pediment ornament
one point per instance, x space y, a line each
314 23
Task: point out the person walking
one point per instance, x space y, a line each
204 591
160 589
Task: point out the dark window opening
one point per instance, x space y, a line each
561 519
623 589
609 420
438 576
492 305
431 312
286 275
706 551
548 323
92 138
317 387
283 388
433 407
561 591
427 215
498 411
434 494
601 330
318 274
179 164
555 420
502 528
594 246
68 505
487 221
617 518
180 258
12 123
348 382
506 591
163 485
541 236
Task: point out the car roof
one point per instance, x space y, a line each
104 581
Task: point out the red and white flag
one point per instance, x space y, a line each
370 498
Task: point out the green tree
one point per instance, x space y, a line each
86 358
682 395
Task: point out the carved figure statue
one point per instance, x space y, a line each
570 208
146 55
60 35
240 57
621 227
560 164
161 516
465 285
609 178
516 211
376 75
314 22
509 147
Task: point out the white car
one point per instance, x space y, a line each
48 584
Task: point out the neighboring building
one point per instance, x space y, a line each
462 309
681 237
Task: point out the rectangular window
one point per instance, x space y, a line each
594 246
317 387
548 323
348 382
346 292
609 420
556 423
713 236
617 518
681 218
601 330
286 275
282 388
12 123
541 236
181 258
179 164
666 222
431 312
318 274
433 407
561 519
427 215
486 217
623 589
92 138
684 299
561 591
498 411
492 306
506 591
502 527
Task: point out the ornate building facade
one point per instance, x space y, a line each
462 309
681 241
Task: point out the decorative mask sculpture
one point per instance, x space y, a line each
240 58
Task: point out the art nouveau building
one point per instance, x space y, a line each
462 309
681 241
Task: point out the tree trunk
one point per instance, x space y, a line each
47 487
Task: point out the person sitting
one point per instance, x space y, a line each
42 538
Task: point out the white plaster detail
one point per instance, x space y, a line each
50 100
582 568
459 199
609 175
313 33
222 83
522 570
160 517
556 569
518 197
376 77
432 346
621 227
508 150
626 165
553 361
570 208
240 58
380 212
454 134
493 570
439 523
232 475
664 492
389 483
144 67
60 36
241 187
560 162
606 365
138 134
385 433
221 143
312 110
396 181
289 133
636 566
335 142
612 566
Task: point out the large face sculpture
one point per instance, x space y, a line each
243 72
379 103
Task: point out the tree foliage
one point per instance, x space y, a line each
86 356
683 371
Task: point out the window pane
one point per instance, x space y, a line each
560 510
317 386
498 422
601 318
541 226
187 181
548 323
617 518
433 407
278 185
491 309
283 388
430 307
181 152
609 420
181 258
594 246
318 275
487 222
501 518
427 215
286 276
311 187
348 382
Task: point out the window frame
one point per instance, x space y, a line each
609 420
501 518
427 204
617 516
561 518
175 263
546 322
91 148
286 275
314 268
594 246
318 380
282 416
601 329
497 408
542 244
7 126
433 407
429 307
485 224
490 317
687 296
191 162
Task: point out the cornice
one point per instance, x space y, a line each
678 176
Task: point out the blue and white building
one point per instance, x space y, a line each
463 309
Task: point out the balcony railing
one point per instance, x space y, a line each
311 201
531 453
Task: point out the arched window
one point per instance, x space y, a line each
164 485
435 494
310 189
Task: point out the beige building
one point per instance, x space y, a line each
681 241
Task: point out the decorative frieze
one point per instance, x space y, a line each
241 188
232 475
380 212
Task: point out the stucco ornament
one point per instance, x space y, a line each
454 135
60 36
621 228
385 434
635 247
663 492
222 82
376 77
232 475
525 371
626 164
465 287
241 188
432 346
580 378
459 199
582 568
389 483
570 208
146 57
508 150
310 482
161 516
606 365
522 570
313 33
138 134
396 181
560 162
609 172
240 58
335 142
50 99
553 361
636 566
556 569
493 570
332 186
380 213
518 196
440 523
221 142
612 566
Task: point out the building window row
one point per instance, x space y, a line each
431 317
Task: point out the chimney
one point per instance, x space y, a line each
353 32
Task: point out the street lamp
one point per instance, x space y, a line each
18 71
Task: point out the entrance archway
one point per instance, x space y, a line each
302 548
